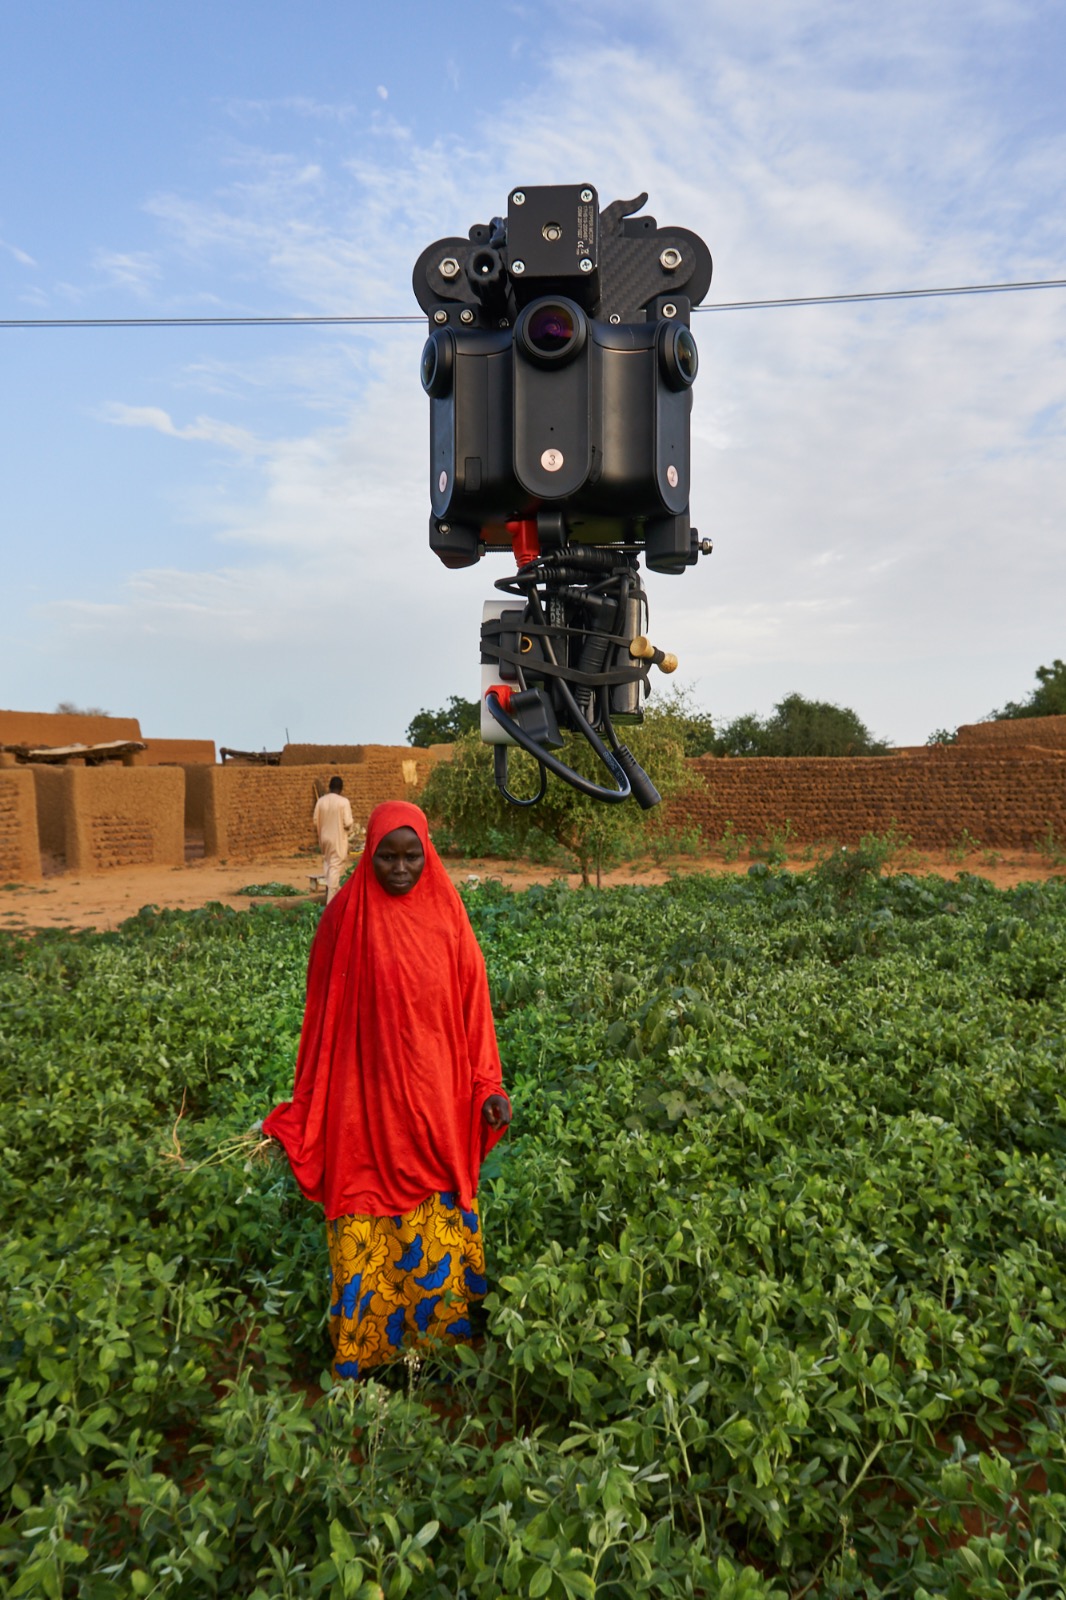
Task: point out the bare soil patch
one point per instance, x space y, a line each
105 900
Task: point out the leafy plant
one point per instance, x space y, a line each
1051 847
1048 699
732 843
799 727
275 891
444 726
777 1259
461 797
963 845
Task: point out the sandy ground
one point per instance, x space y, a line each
105 900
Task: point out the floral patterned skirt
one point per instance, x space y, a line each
397 1280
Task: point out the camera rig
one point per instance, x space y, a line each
559 367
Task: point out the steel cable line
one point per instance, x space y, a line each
863 297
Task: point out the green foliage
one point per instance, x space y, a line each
777 1255
676 714
799 727
462 797
445 725
1048 699
964 844
943 736
1051 847
272 890
844 873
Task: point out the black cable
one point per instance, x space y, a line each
858 298
586 786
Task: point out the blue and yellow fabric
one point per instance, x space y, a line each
402 1281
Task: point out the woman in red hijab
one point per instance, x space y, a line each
398 1097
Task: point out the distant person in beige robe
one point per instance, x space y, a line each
333 821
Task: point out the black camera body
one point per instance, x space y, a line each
559 368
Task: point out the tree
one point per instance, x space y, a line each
67 708
462 796
1048 699
800 727
674 713
445 726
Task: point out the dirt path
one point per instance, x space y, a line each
105 900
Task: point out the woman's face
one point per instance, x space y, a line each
398 861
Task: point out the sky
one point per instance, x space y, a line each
223 532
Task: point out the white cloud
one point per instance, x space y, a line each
20 256
261 111
137 271
205 430
883 484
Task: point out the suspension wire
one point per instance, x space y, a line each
883 294
201 322
865 297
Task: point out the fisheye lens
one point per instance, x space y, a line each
550 328
678 356
437 360
687 355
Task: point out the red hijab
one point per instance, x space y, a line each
398 1050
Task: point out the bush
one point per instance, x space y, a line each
1048 699
800 727
446 725
462 797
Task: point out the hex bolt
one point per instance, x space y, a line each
440 315
706 546
449 267
518 267
670 259
585 264
519 197
466 315
669 309
586 195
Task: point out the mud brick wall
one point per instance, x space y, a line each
51 792
247 812
177 753
53 728
124 817
313 755
1045 733
20 857
1004 802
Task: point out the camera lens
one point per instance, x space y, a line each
686 355
551 331
437 358
678 356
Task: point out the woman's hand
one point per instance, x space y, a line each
496 1111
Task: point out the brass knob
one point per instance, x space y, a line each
643 650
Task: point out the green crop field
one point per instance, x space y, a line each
777 1261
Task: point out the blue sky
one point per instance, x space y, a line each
223 532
